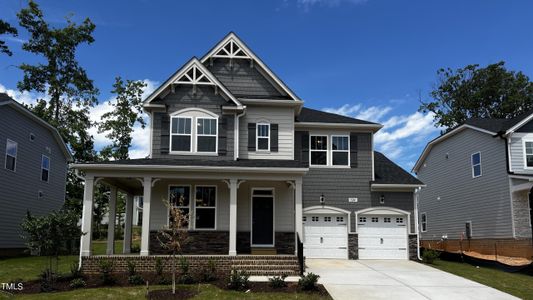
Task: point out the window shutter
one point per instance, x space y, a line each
274 137
165 133
251 136
353 150
305 146
222 136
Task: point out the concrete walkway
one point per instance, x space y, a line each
395 279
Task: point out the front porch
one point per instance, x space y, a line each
236 211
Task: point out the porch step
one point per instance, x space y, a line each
272 272
267 265
265 262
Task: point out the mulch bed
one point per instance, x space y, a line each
167 294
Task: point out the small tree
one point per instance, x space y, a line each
173 237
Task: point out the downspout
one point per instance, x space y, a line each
417 229
236 134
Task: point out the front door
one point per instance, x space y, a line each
262 217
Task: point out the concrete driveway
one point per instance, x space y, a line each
395 279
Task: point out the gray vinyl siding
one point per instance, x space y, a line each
339 184
516 147
282 116
183 97
400 200
242 79
485 200
19 189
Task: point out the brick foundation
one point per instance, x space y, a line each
502 247
353 246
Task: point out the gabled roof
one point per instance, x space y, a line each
225 48
187 75
6 100
387 172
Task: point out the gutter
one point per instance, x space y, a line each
236 134
415 196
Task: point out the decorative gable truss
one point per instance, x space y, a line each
193 73
231 50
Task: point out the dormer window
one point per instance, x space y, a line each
202 138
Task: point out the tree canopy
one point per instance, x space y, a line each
474 92
6 28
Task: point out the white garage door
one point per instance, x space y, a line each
325 236
382 237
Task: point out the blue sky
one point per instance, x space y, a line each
372 59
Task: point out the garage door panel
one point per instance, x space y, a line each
325 238
381 237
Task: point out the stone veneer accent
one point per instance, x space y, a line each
353 246
521 216
413 247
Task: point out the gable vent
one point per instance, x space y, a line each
231 50
194 76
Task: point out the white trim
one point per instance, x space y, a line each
524 141
273 215
208 135
324 209
209 207
472 165
42 168
385 187
117 167
186 114
257 137
372 156
445 136
320 125
233 37
340 151
190 203
319 150
191 149
519 124
152 135
423 216
370 210
16 155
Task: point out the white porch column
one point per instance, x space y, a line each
111 220
298 212
87 217
233 216
126 248
145 235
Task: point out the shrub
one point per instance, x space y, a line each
75 271
277 282
77 283
429 256
164 281
209 272
135 279
46 278
238 280
308 282
106 269
159 266
185 277
131 268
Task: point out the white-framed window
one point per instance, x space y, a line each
399 220
206 135
362 219
375 219
340 150
262 134
327 219
179 196
476 164
318 150
181 134
386 220
205 206
528 154
340 219
314 219
424 222
11 155
45 168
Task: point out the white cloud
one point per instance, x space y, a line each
372 113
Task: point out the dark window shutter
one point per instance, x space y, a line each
305 146
274 137
251 136
165 133
353 150
222 136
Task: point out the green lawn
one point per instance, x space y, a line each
29 268
519 285
206 292
100 247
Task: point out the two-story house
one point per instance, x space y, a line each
478 196
256 171
33 170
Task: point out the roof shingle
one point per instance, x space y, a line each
317 116
387 172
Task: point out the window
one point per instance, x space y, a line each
340 219
314 219
528 150
319 150
304 218
205 207
263 137
399 220
181 134
206 135
11 155
424 222
179 196
386 220
327 219
375 219
339 150
476 164
45 168
362 219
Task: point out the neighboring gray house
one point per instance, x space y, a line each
33 168
479 178
255 169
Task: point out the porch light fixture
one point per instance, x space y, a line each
322 199
382 199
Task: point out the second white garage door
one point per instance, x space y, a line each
325 236
382 237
